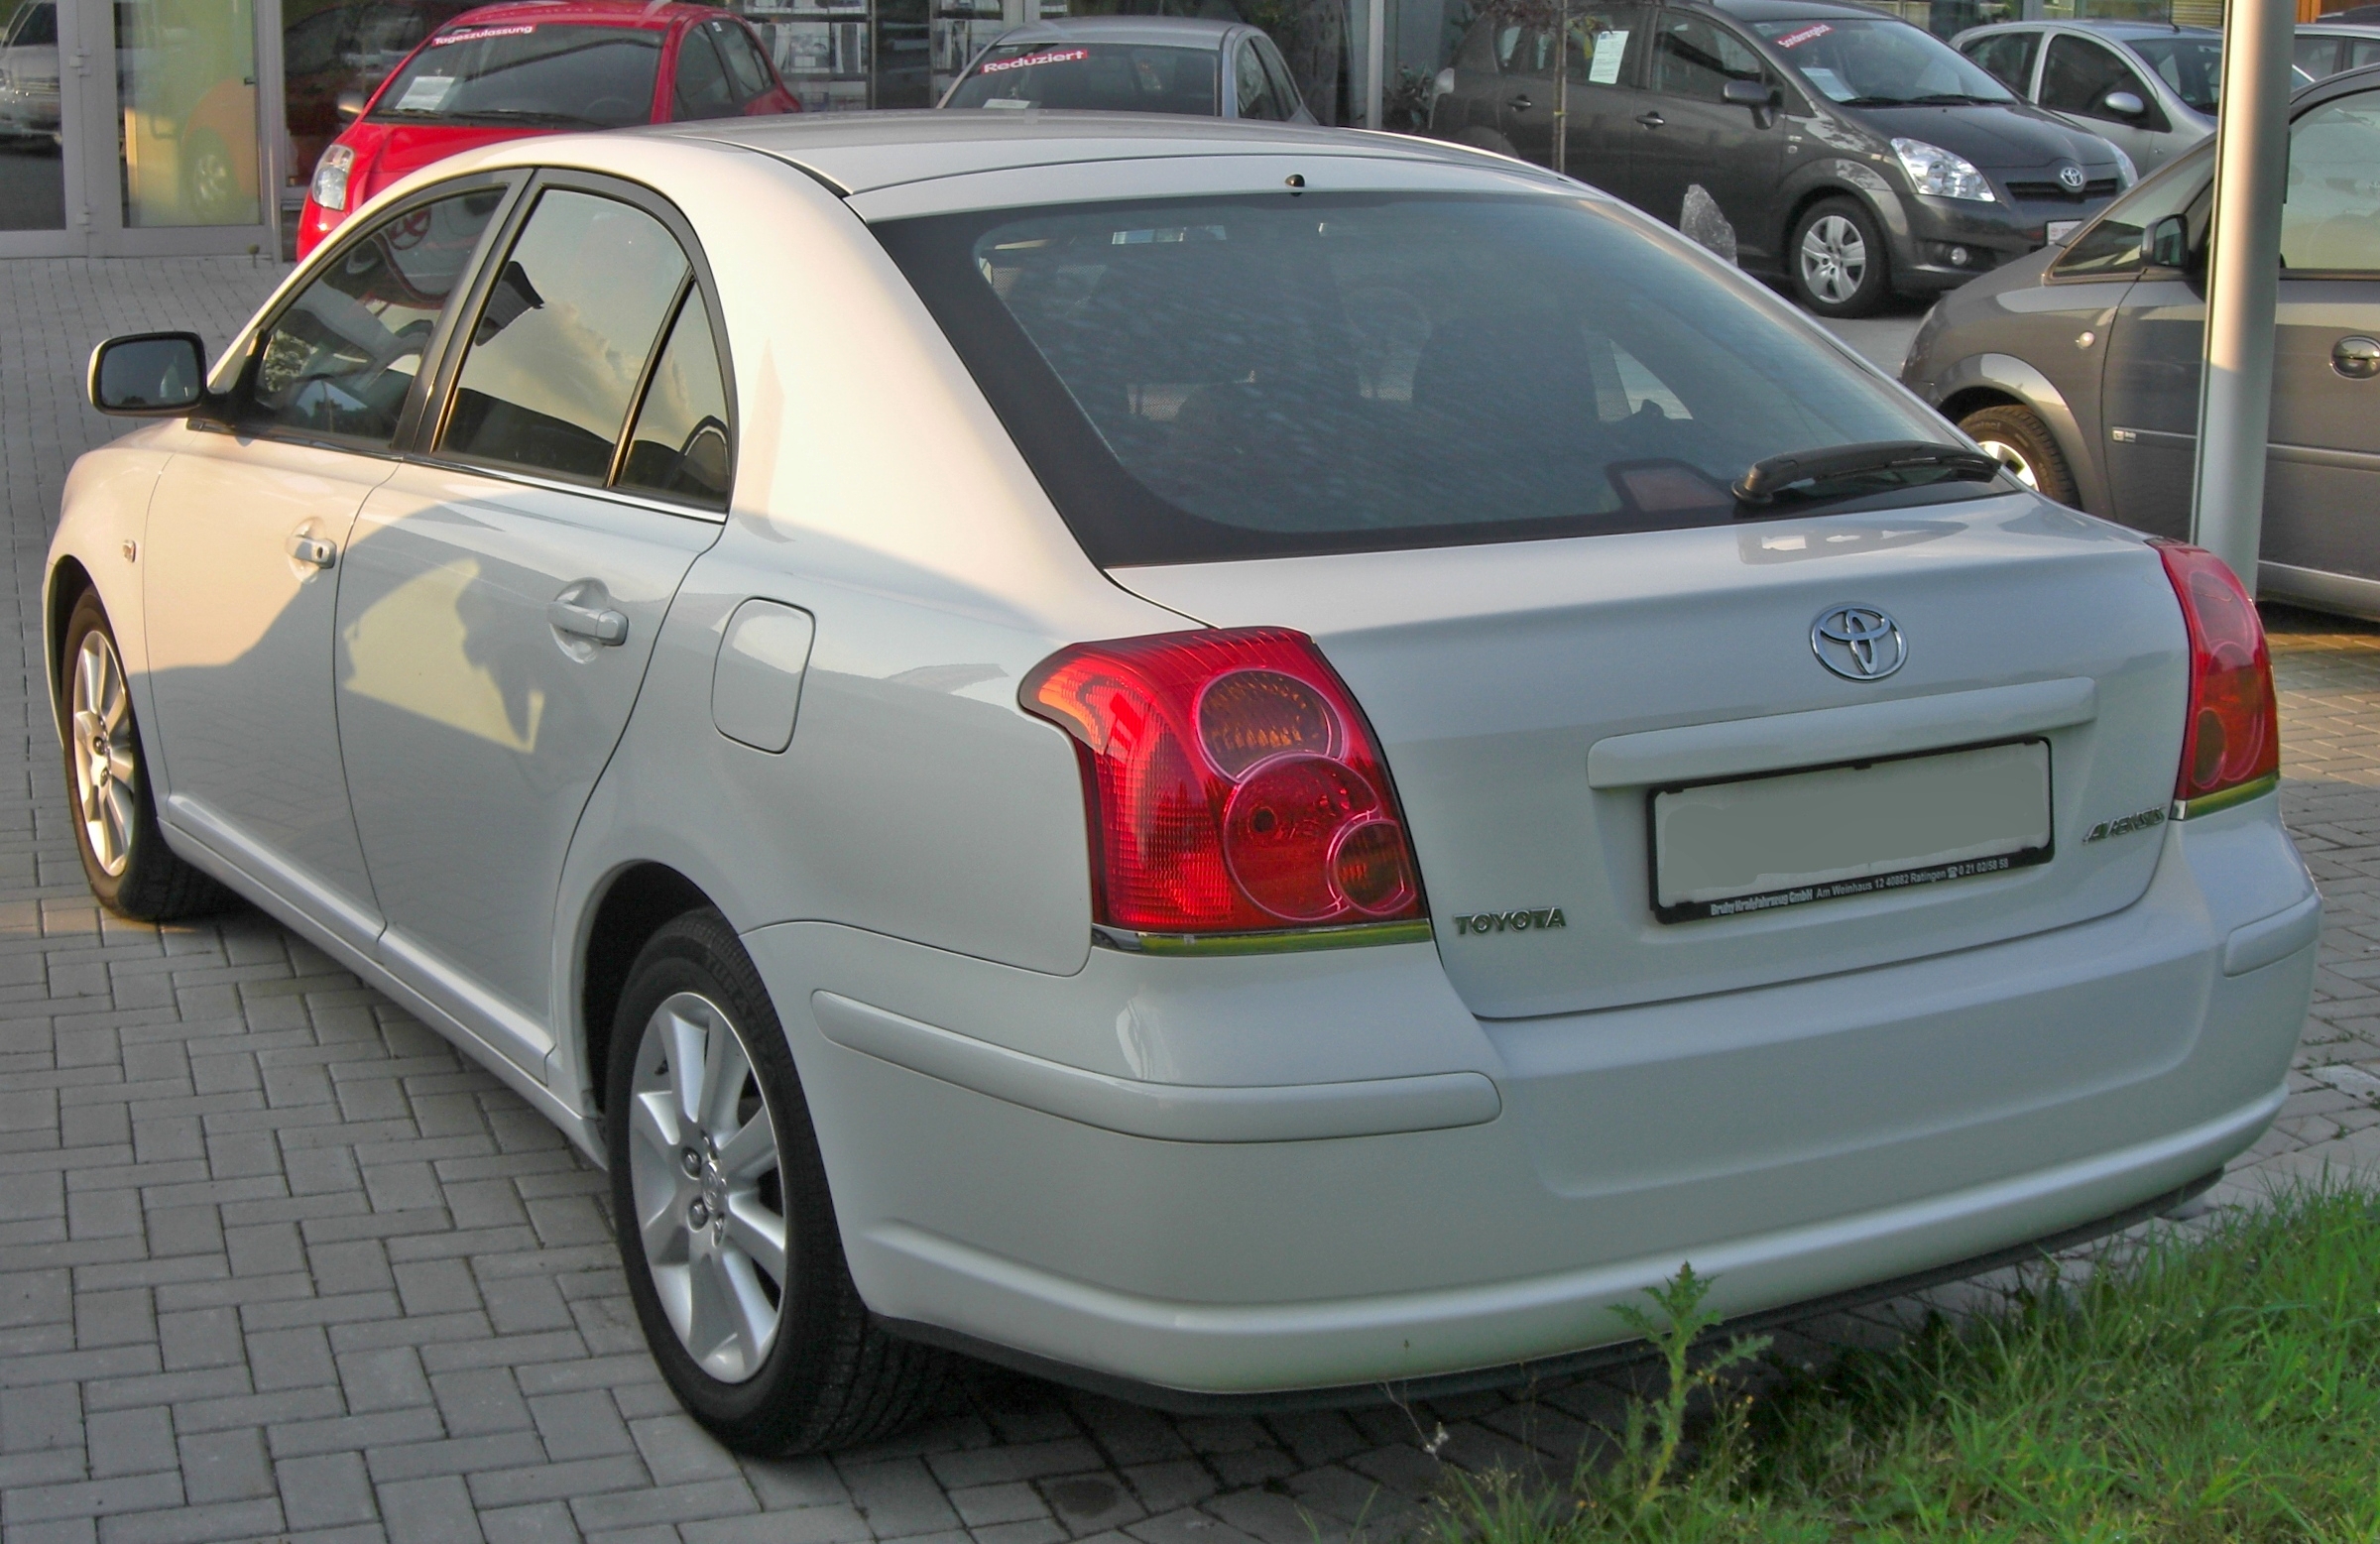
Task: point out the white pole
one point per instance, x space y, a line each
1375 60
2235 392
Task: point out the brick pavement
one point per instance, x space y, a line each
275 1262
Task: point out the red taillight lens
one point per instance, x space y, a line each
1233 784
2234 732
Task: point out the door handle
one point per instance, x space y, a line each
1520 104
2357 358
1651 120
596 624
313 550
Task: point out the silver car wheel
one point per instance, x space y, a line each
1833 259
105 759
2013 459
708 1185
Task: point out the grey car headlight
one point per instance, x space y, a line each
2126 174
1937 171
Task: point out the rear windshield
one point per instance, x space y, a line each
539 74
1882 64
2193 68
1107 77
1216 378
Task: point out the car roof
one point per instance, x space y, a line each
2329 28
857 153
1180 31
2103 26
1797 11
584 13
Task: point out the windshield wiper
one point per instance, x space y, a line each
1763 481
1956 99
520 115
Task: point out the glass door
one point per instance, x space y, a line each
36 215
193 161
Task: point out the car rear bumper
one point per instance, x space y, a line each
1791 1142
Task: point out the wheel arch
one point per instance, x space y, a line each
68 581
637 902
2002 380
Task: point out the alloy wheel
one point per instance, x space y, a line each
106 756
214 186
1833 259
2018 464
709 1187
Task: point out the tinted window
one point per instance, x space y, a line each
546 73
2079 73
341 359
701 90
1879 62
679 446
2009 57
2113 245
1693 57
2356 53
1201 379
1251 87
1094 76
1284 89
558 347
2316 55
2191 68
744 63
2332 220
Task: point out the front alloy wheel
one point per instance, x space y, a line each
1833 259
709 1187
104 754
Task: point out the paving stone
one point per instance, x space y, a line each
325 1491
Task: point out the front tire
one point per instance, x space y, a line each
1839 260
124 853
2017 438
726 1229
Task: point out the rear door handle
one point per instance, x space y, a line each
1651 120
596 624
1520 104
313 550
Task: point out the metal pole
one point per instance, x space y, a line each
1561 87
1375 60
2235 392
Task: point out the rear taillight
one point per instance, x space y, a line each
2232 750
1233 788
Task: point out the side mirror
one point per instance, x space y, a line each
2124 104
2169 242
351 105
1749 93
149 375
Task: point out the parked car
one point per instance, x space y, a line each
28 73
1851 153
541 66
1133 64
1259 762
347 48
2325 49
2147 86
2079 368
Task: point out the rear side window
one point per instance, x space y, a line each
1117 77
1206 379
340 360
679 445
542 74
2009 57
560 344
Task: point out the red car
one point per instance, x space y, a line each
541 66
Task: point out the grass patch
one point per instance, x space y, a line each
2225 1387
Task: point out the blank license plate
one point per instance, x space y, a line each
2061 229
1723 849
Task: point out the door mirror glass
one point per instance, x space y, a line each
2169 242
149 374
2124 104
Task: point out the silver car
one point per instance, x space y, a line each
2148 86
1231 762
2326 48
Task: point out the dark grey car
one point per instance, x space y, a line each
1846 151
2079 367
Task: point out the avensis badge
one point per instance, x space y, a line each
1859 643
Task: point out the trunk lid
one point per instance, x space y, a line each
1529 697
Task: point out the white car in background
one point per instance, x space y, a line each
29 101
1226 762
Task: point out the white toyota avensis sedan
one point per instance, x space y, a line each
1231 762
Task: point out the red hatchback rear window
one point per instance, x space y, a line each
537 74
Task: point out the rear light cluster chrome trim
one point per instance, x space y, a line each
1297 941
2209 803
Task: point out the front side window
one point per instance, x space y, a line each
2330 221
1601 43
341 359
2079 73
1113 77
1284 86
743 58
1208 378
2116 243
1693 57
562 338
2191 68
1880 64
702 88
1253 89
548 74
2008 55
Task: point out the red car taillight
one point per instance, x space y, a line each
2232 744
1232 785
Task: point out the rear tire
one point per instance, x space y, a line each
131 870
726 1229
2017 438
1837 259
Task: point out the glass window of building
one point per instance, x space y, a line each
33 187
185 82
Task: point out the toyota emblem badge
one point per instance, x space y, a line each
1857 642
